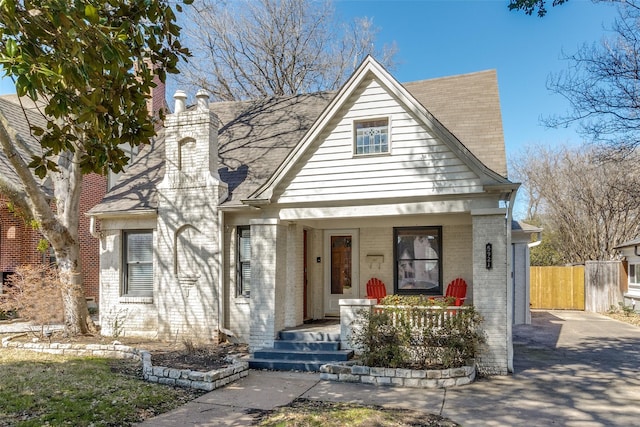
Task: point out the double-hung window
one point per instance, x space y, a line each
138 260
418 260
371 136
243 281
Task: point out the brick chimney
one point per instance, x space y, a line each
157 102
158 99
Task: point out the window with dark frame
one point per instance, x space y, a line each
634 278
371 136
138 260
243 281
418 260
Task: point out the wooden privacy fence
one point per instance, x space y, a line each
554 288
594 287
605 283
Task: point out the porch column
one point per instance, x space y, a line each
268 281
491 295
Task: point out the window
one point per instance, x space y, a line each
372 136
243 281
138 260
634 279
418 260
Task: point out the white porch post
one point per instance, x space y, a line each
268 281
491 288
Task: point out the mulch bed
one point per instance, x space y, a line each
168 354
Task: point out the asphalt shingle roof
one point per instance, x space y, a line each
19 120
256 136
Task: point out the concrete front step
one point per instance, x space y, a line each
306 345
315 356
286 365
301 350
308 336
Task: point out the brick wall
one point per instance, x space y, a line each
490 292
18 241
139 318
94 187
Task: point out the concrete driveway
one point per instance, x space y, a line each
571 369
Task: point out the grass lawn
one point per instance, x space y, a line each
42 389
307 413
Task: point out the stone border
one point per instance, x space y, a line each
206 381
355 373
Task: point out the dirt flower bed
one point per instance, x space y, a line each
631 318
168 354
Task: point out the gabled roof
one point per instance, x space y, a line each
370 68
12 108
256 138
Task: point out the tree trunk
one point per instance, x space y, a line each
59 227
76 313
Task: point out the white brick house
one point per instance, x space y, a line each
255 216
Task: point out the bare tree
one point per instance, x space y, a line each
601 84
589 199
258 48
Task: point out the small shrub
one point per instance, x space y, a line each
417 301
417 336
626 309
189 346
115 319
379 341
34 293
7 315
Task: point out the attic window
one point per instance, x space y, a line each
372 136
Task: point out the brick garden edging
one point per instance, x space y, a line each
207 381
433 378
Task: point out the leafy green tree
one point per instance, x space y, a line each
529 6
87 67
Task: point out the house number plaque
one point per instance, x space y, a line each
489 255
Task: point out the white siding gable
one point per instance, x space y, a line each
418 164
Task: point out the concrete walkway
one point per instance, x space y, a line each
571 369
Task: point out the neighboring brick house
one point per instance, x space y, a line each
18 241
256 216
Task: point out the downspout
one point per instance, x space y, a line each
221 297
510 278
537 242
221 314
92 227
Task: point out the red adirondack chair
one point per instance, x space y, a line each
456 289
376 289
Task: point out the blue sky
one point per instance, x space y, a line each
442 38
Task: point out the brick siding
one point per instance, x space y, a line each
18 241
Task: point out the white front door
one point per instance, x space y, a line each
341 268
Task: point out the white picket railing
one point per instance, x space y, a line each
422 316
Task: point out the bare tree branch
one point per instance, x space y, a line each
259 48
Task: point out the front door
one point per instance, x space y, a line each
341 268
